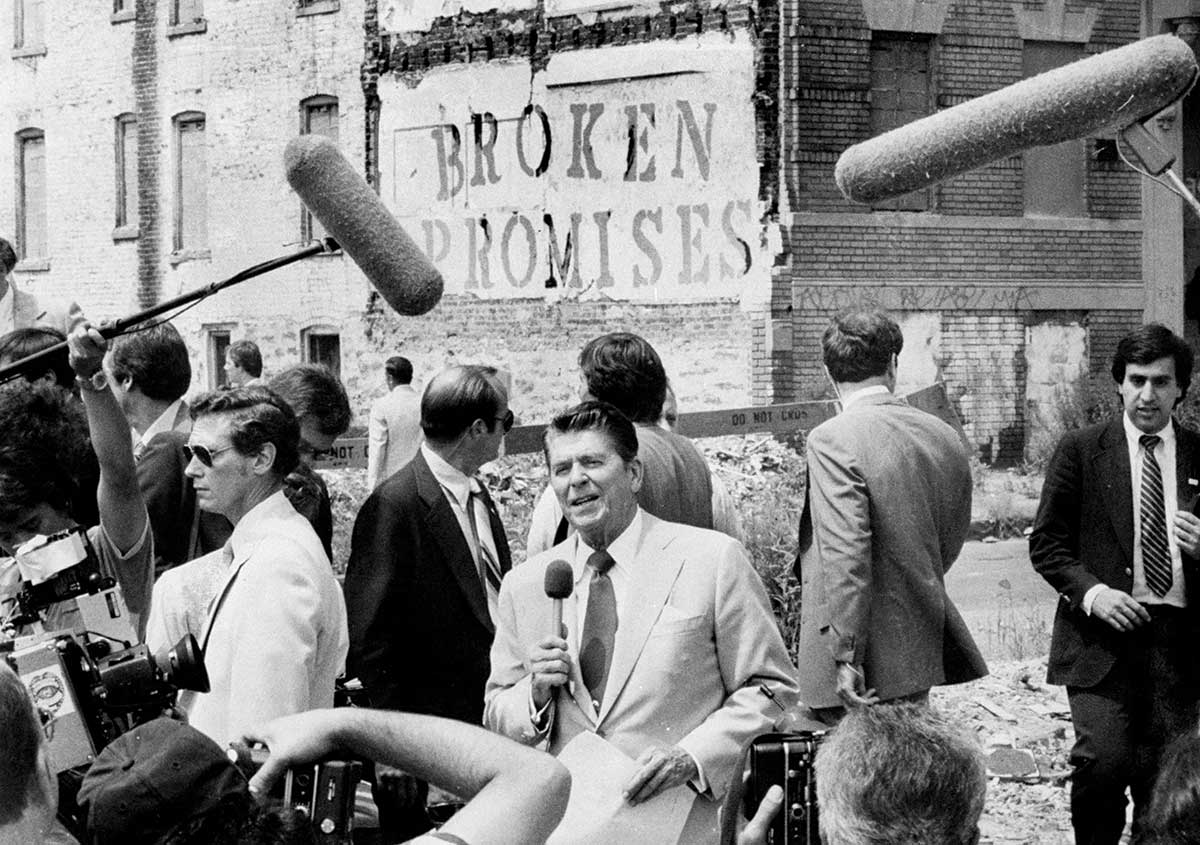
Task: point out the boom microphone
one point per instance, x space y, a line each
559 581
1112 89
355 216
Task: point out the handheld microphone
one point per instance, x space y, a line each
559 582
355 216
1113 89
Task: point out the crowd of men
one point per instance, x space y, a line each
208 514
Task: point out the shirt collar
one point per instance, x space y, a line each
862 393
623 549
254 524
165 421
453 480
1133 434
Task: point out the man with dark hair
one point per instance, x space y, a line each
275 637
21 310
427 555
886 511
1116 536
150 372
900 774
624 370
21 343
243 364
670 640
394 426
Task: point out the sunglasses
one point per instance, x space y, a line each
203 454
506 421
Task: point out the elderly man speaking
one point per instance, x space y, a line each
669 635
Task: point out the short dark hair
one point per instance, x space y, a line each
623 369
245 354
399 369
20 742
595 415
21 343
45 448
8 256
1173 815
458 396
258 416
1149 343
859 345
156 358
315 393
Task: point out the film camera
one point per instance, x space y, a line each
787 759
324 791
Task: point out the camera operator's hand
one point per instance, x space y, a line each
756 830
661 767
549 667
86 348
293 740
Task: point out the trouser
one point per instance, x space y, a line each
1123 723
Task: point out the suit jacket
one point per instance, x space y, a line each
887 509
1083 536
393 433
419 623
696 639
19 310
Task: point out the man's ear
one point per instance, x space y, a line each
264 459
635 467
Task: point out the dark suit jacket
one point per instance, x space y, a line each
1083 536
420 631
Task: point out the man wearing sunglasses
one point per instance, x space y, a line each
275 637
427 556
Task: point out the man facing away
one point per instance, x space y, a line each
886 511
394 426
669 643
1116 537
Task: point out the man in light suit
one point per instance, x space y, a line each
22 310
669 635
276 634
886 512
1115 535
394 426
427 555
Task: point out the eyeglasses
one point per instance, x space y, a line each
203 454
506 421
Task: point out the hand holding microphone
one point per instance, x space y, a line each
549 662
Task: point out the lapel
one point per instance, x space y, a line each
1112 466
1187 474
235 567
576 687
654 574
443 526
183 419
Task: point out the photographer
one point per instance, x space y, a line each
517 794
45 446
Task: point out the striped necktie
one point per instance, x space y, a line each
488 565
1156 553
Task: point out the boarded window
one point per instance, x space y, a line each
1054 176
901 92
126 171
191 183
27 23
323 346
186 11
318 116
31 194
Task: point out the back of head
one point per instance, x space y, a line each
21 343
623 369
156 358
315 393
899 774
859 345
245 354
257 416
8 257
458 396
1173 817
20 746
399 369
1147 345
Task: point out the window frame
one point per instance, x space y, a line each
179 124
311 336
214 352
921 200
125 202
308 107
23 138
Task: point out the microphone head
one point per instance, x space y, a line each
560 579
1113 89
354 215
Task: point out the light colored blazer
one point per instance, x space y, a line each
696 639
20 310
393 433
276 636
887 509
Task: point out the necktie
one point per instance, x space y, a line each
488 565
599 627
1156 554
